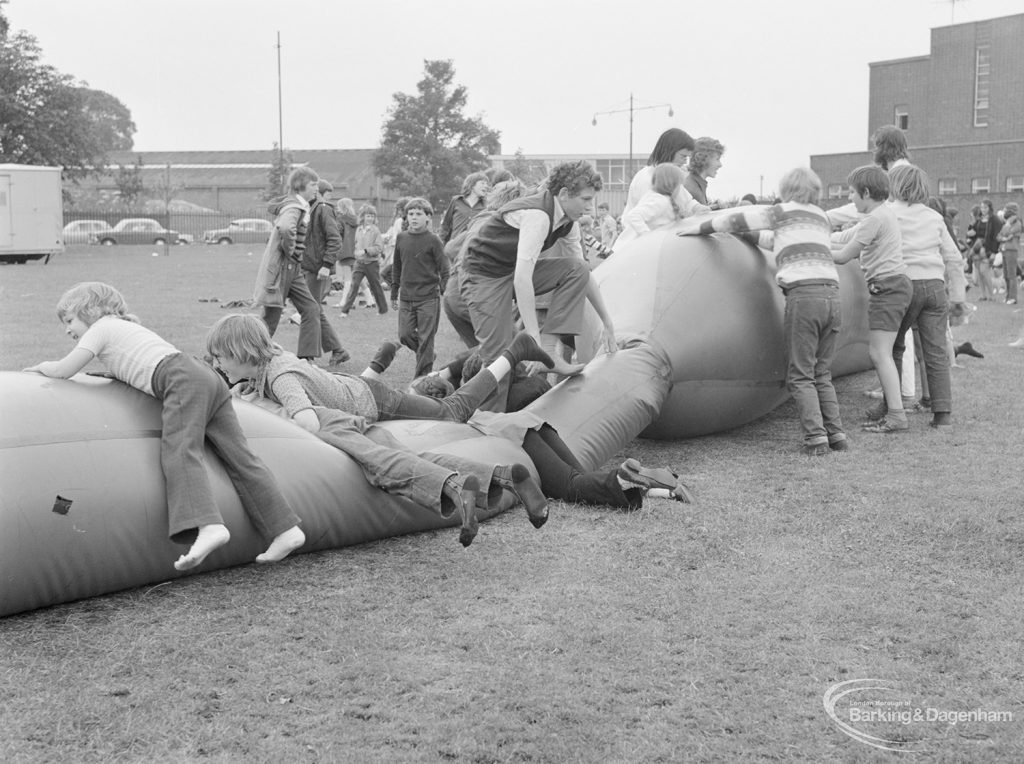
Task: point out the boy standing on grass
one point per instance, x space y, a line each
798 231
419 273
876 240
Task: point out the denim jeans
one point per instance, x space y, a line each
457 407
811 326
930 311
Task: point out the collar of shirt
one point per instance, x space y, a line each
559 216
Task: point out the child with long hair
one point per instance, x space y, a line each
933 265
666 202
196 407
338 408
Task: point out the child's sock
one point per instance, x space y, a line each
525 348
210 538
283 545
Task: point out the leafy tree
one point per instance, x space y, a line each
129 183
48 118
530 171
277 176
428 145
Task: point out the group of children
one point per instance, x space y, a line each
914 273
339 408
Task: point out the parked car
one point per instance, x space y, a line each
79 231
136 231
242 231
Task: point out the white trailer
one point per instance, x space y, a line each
31 213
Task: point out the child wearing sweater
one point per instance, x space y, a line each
798 230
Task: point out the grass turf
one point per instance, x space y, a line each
678 633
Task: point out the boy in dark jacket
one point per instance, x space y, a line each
323 248
419 274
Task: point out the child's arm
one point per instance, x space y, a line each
374 241
595 298
956 280
852 241
66 367
288 391
287 225
736 220
688 206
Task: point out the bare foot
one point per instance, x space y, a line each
283 545
210 537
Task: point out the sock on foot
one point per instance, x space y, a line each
283 545
525 348
210 537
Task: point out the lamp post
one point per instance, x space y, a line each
631 109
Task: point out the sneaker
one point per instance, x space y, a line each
631 471
887 425
876 393
840 445
295 318
343 314
1011 301
338 357
816 449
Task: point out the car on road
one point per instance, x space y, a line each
136 231
79 231
241 231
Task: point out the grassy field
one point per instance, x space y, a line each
705 633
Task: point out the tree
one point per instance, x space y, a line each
530 171
277 176
129 183
48 118
428 145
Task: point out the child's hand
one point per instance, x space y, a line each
688 229
394 305
46 368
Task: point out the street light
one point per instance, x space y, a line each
631 109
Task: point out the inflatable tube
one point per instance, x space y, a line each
710 304
82 503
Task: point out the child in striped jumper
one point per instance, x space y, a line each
798 232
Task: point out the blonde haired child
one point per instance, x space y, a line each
338 408
665 203
196 408
798 230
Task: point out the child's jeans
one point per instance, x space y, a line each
811 327
417 327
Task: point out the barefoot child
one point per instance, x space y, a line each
339 408
877 242
196 406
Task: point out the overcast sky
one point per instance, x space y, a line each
774 81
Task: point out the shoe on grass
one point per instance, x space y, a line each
338 357
816 449
631 471
887 425
876 412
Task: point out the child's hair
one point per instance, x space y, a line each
574 177
670 143
890 145
242 337
986 204
504 192
301 177
400 206
603 206
749 199
419 203
89 301
346 204
471 180
976 211
323 187
802 185
909 183
703 150
665 179
870 181
366 209
495 176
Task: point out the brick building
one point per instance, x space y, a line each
962 109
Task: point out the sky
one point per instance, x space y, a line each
775 82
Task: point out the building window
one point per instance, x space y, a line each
982 70
836 190
981 186
947 186
1014 184
901 118
613 173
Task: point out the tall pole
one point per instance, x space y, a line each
280 111
629 172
